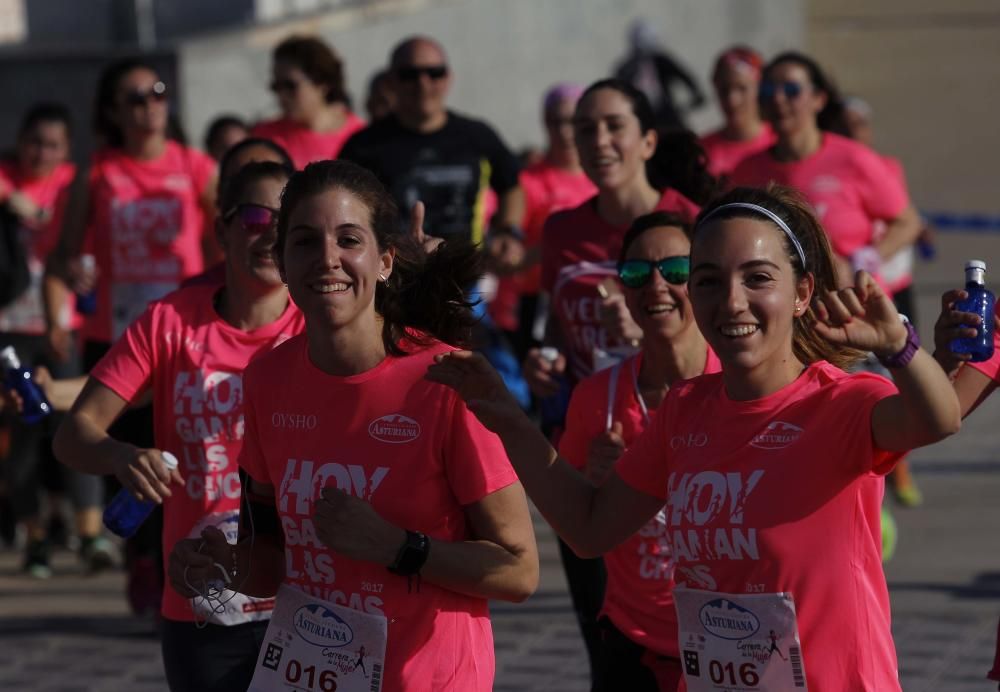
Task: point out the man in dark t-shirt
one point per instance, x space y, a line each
425 152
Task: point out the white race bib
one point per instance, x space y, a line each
739 642
312 644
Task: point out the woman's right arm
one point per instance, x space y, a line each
591 520
82 443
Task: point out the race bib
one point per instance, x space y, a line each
739 642
128 300
312 644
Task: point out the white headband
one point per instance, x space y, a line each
769 214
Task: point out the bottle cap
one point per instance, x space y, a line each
9 359
975 264
169 460
549 353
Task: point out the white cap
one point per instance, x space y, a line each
975 264
549 353
169 460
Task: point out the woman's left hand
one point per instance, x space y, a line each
351 527
861 316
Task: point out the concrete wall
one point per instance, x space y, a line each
930 69
505 53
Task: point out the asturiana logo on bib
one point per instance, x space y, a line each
394 429
321 626
727 620
777 435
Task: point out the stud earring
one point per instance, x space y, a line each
382 278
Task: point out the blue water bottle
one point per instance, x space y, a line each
86 303
35 406
553 408
125 513
982 302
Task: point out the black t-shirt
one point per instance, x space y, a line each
448 170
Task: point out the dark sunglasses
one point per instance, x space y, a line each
412 74
791 90
155 94
280 85
636 273
254 218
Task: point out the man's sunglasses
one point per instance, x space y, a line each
139 97
791 90
255 218
280 85
412 74
636 273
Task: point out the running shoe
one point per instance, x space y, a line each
889 535
36 560
97 553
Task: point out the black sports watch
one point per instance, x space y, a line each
412 554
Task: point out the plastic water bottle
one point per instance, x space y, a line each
125 513
553 408
982 302
35 406
86 303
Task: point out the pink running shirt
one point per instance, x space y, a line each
146 227
847 184
410 448
547 189
26 315
638 597
725 154
579 251
305 145
781 494
193 361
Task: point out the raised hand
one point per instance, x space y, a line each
861 316
953 324
480 387
429 243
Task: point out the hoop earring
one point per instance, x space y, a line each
384 279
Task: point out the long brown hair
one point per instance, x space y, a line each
789 206
424 297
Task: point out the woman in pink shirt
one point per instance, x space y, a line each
847 183
188 351
736 79
769 474
382 513
316 120
607 412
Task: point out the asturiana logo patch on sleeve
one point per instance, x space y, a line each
394 428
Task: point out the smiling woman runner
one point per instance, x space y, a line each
638 649
190 349
770 471
380 506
